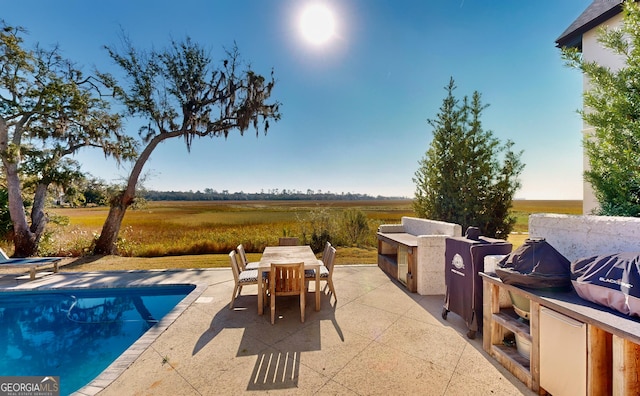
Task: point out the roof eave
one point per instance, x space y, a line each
573 38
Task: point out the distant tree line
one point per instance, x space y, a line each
88 190
272 195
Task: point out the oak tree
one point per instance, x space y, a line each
180 93
48 111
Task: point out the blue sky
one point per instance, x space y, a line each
354 110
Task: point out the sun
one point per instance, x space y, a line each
317 24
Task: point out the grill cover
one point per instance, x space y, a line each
610 280
535 264
464 259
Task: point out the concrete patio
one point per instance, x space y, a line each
377 339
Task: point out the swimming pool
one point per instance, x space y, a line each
76 333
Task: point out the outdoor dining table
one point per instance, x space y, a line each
287 254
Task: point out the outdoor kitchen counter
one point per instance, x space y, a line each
399 237
397 257
413 253
613 339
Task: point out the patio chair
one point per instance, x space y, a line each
288 241
325 252
311 274
287 280
243 263
241 278
326 268
326 271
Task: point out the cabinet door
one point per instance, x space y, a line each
403 263
563 354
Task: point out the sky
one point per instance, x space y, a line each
355 107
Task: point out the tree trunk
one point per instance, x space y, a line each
24 242
23 239
106 243
39 219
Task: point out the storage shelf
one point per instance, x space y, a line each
511 323
518 365
500 321
512 353
391 259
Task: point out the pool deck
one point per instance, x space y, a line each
377 339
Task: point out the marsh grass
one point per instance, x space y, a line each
523 208
119 263
194 228
200 234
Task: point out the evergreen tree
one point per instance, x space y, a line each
463 178
612 108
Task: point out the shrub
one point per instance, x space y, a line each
354 228
612 108
317 229
318 241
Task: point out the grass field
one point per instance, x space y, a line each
177 228
202 233
523 208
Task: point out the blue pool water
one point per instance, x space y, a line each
76 334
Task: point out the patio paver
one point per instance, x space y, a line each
377 339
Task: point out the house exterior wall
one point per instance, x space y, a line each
592 51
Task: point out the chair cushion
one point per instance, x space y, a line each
248 276
252 266
324 272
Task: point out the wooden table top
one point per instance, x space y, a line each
288 254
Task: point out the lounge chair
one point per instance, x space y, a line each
30 262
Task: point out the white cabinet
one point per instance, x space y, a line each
563 354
